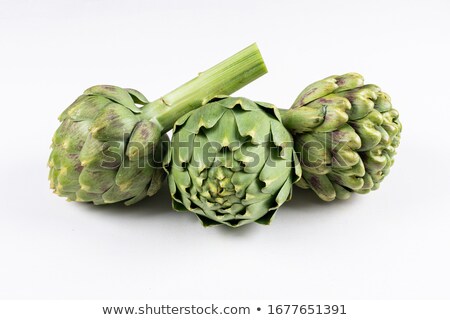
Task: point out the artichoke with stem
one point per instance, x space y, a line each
346 134
231 162
108 149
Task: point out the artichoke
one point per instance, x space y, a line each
110 143
346 134
105 150
231 162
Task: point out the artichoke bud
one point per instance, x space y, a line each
93 159
238 163
345 136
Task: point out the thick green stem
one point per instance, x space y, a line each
223 79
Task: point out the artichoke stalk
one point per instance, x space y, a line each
346 134
231 162
110 143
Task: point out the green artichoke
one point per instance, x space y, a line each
346 134
105 150
108 149
231 162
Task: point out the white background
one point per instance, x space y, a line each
392 243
